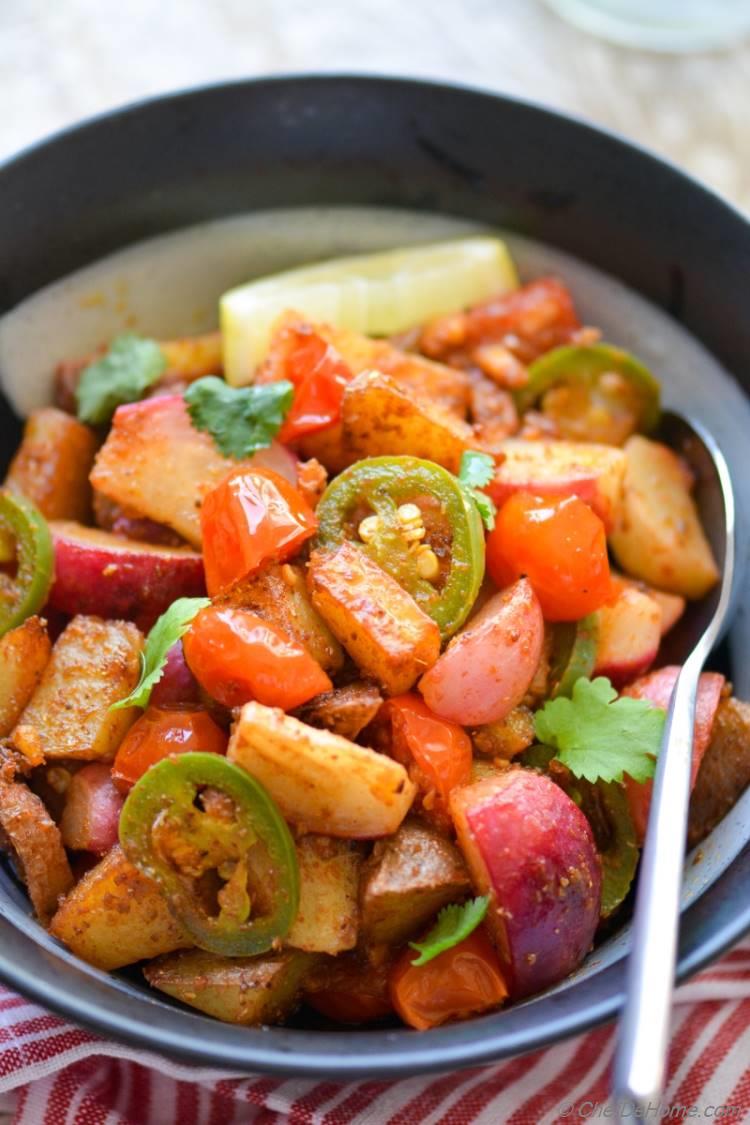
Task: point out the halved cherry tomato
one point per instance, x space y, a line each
464 981
440 750
319 376
561 547
254 516
162 731
237 656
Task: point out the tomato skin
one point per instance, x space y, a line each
441 750
560 545
236 656
463 981
161 731
318 374
254 516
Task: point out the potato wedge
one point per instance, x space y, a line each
407 880
93 664
116 916
658 536
380 418
724 772
242 990
24 653
328 917
376 620
52 464
35 841
278 594
321 781
345 710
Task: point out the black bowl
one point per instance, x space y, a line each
346 140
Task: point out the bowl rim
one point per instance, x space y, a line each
392 1053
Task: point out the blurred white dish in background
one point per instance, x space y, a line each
661 25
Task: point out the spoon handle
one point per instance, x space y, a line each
644 1028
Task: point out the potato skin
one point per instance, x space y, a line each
35 839
24 654
724 772
51 466
116 916
532 850
346 710
328 917
376 620
94 663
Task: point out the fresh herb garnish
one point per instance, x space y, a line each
166 631
241 420
454 923
476 471
600 737
130 366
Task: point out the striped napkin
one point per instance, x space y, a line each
53 1073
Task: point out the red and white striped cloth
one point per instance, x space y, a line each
52 1073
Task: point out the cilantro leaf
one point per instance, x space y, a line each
600 737
454 923
130 366
241 420
475 471
170 627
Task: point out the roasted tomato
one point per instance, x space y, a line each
437 753
162 731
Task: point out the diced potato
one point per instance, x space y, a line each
192 357
278 594
319 780
52 464
116 916
94 663
506 738
724 772
242 990
376 620
658 536
328 917
407 880
345 710
379 418
36 843
24 653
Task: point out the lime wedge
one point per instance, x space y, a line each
377 294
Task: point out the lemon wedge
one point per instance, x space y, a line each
377 294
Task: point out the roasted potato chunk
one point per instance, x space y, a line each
34 839
52 464
116 916
408 878
24 653
376 620
328 917
724 773
506 738
94 663
279 595
319 780
243 990
345 710
379 418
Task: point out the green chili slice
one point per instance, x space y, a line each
27 545
379 487
217 846
573 654
594 393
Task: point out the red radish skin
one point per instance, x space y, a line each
657 689
99 573
91 816
177 683
487 668
628 636
530 847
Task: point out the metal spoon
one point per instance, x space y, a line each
643 1039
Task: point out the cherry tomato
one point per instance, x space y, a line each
236 656
464 981
440 750
254 516
319 376
162 731
560 545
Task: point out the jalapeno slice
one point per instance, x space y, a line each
215 843
593 393
419 523
573 653
26 543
